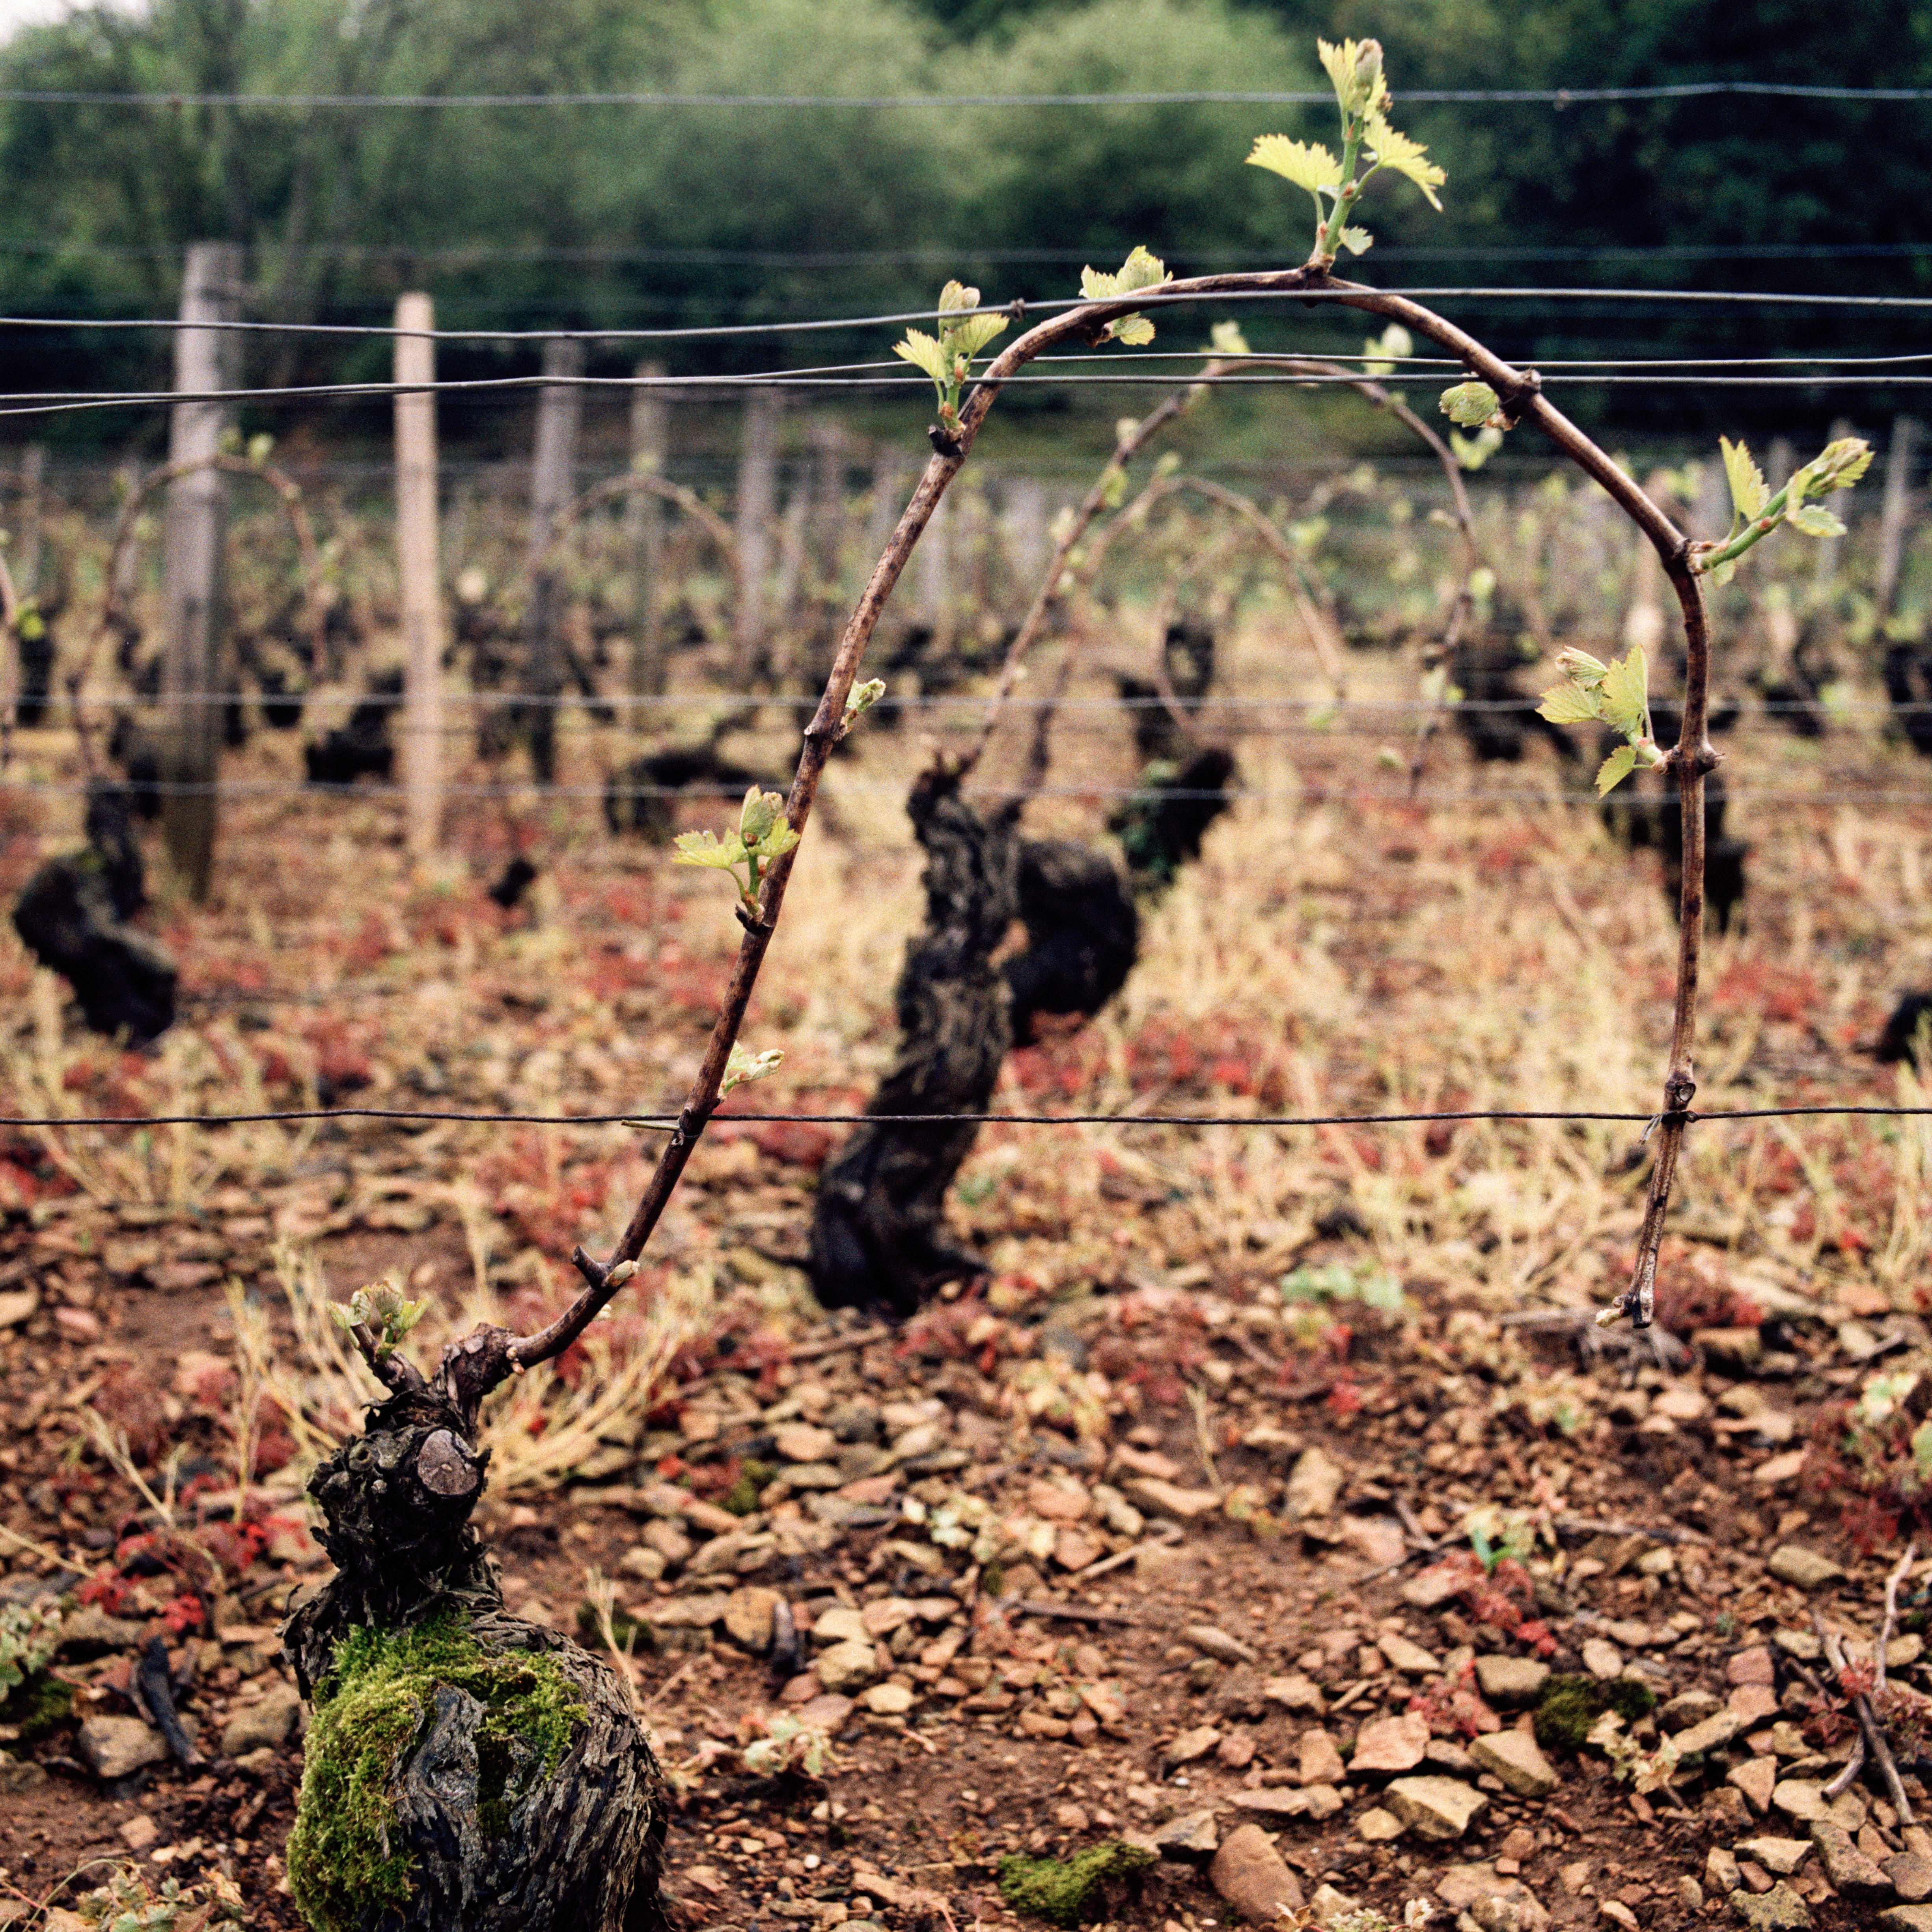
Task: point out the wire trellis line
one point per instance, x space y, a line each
1560 97
666 1123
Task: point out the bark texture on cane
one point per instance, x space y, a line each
467 1767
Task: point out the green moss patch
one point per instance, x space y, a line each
39 1703
1067 1891
369 1711
1570 1705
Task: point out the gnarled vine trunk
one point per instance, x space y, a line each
467 1771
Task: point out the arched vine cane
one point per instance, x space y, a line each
471 1367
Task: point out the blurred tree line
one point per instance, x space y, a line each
630 216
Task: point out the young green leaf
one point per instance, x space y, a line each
1568 704
702 848
1381 353
920 348
744 1066
1814 519
1399 154
1354 70
1472 452
1471 404
1225 338
1748 493
968 336
1357 240
862 700
1306 164
1141 270
1615 768
1626 694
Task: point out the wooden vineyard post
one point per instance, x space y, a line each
417 563
758 506
206 359
552 472
1894 513
644 539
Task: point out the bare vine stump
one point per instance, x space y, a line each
1497 716
1905 1032
1083 933
361 747
70 916
465 1769
639 797
877 1238
1908 684
1161 826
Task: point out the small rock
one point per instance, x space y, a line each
1689 1893
670 1544
1296 1693
1323 1800
1513 1757
888 1700
1753 1703
1782 1856
1756 1778
1391 1744
748 1617
139 1832
1511 1681
1618 1913
1681 1403
847 1666
840 1624
641 1561
20 1773
113 1748
1320 1759
1429 1589
1711 1734
804 1442
1721 1867
1313 1486
826 1713
1377 1827
1169 1499
1328 1905
1793 1563
1276 1801
1190 1836
90 1631
1896 1918
1736 1351
1848 1868
1753 1665
1779 1909
1378 1540
1911 1875
1494 1903
1686 1708
1800 1798
1410 1659
1213 1642
1075 1549
1602 1659
1435 1807
269 1722
1249 1873
1193 1744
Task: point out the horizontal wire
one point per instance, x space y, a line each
1552 97
1350 367
331 697
482 253
1315 793
667 1120
720 330
76 402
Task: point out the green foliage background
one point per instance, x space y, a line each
629 216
